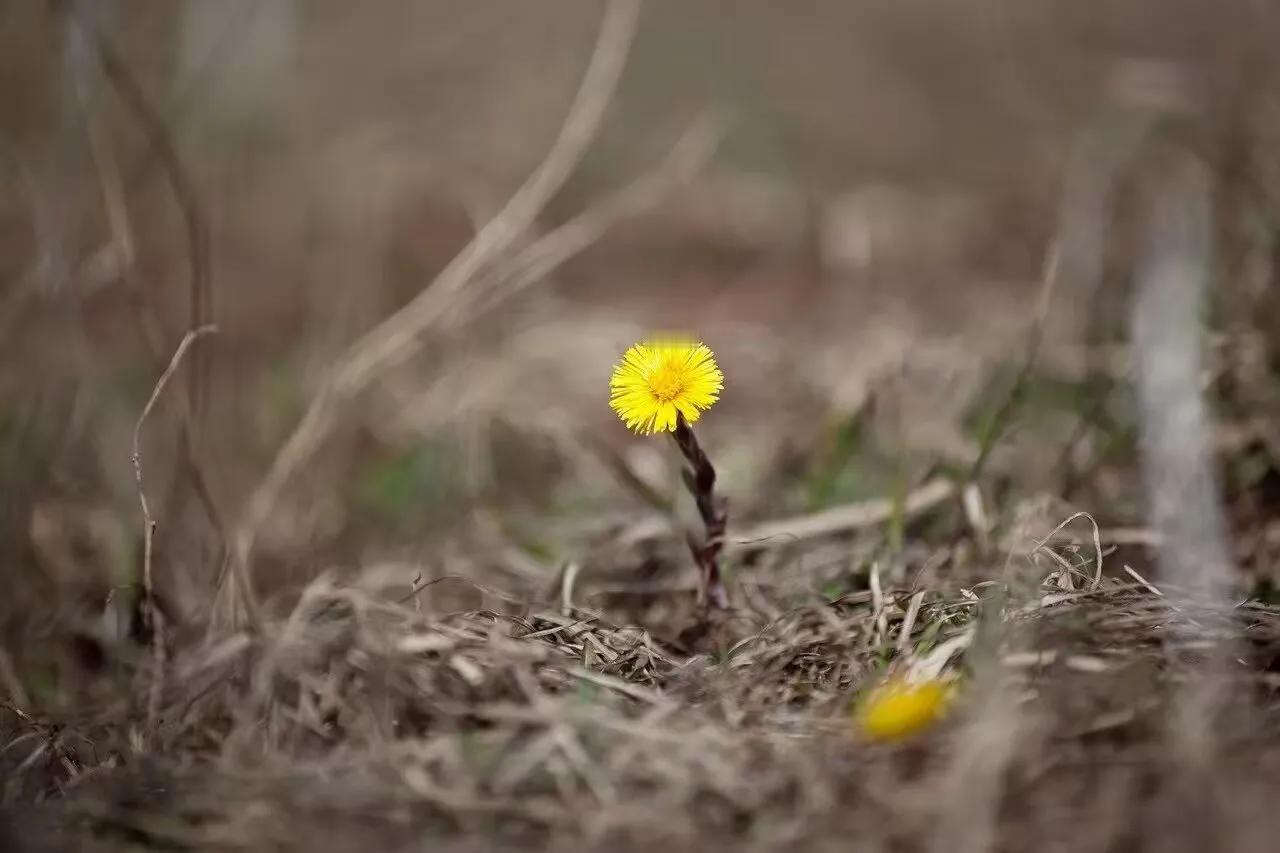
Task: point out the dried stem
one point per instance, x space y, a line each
847 517
150 121
195 226
151 617
700 479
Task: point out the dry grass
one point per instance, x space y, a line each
357 717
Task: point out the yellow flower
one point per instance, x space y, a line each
896 710
658 378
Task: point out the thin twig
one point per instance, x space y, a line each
152 619
121 245
123 252
1003 416
691 152
135 100
909 622
1150 587
1097 543
842 519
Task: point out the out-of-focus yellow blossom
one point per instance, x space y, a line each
898 709
663 377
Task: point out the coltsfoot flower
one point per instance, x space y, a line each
898 709
664 384
661 378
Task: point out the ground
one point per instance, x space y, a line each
361 718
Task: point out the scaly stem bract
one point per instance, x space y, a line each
700 479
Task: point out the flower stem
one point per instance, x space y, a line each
700 479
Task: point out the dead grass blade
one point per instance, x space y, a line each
843 519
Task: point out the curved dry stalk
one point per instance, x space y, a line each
150 612
691 152
840 519
396 339
181 184
1096 580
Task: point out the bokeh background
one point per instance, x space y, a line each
865 245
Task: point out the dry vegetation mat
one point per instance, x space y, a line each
358 718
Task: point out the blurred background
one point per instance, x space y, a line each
857 205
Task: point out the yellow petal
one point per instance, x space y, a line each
658 378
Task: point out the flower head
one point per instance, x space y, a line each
660 378
897 709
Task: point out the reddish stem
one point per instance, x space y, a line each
700 479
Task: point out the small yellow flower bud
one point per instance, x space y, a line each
897 709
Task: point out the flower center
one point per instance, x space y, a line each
667 384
